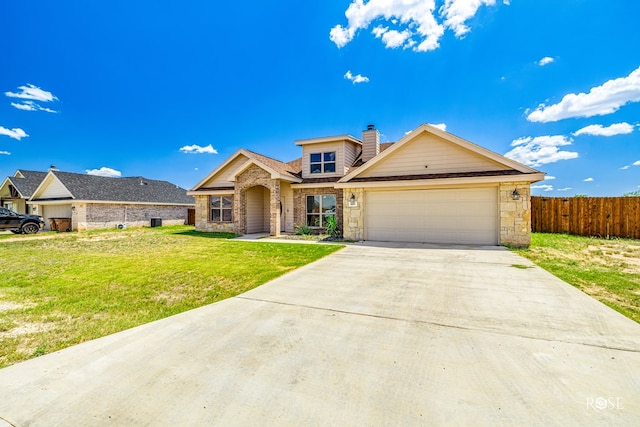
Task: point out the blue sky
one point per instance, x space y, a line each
168 90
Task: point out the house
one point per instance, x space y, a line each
94 202
17 189
430 186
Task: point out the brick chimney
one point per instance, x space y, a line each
370 143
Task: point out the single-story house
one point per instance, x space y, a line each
17 189
95 202
430 186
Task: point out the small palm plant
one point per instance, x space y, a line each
332 226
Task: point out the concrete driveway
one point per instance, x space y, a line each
376 334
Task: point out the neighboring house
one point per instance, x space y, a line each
17 189
94 202
430 186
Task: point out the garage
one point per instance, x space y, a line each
461 216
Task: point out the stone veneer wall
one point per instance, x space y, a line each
300 203
515 215
252 177
93 216
353 228
202 218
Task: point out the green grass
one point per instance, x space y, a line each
608 270
62 289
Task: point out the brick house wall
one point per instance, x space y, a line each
300 203
93 216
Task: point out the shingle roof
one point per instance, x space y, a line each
282 168
131 189
27 185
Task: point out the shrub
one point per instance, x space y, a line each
302 229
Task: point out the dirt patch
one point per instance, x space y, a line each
27 329
625 255
8 306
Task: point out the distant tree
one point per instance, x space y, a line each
632 194
580 195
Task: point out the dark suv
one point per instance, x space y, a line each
20 223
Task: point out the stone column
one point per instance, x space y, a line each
353 219
239 210
515 215
274 211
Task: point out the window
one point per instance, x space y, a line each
319 208
323 162
221 208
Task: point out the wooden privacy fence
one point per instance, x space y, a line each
587 216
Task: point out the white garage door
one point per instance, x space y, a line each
468 215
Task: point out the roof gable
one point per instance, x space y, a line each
224 175
428 150
51 188
25 182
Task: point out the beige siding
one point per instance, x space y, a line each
223 177
54 190
256 210
307 150
429 154
350 153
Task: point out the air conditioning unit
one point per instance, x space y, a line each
121 226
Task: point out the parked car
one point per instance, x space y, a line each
20 223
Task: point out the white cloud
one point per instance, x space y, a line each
5 153
549 177
636 163
31 106
600 100
587 179
15 133
32 92
196 149
25 106
103 171
418 24
358 78
565 189
598 130
625 167
457 12
393 38
441 126
540 150
545 187
546 60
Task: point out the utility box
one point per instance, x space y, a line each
156 222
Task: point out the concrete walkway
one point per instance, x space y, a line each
384 334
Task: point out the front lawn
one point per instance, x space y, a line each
57 290
608 270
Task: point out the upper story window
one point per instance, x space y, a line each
323 162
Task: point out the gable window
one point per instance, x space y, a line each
323 162
221 208
319 208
